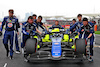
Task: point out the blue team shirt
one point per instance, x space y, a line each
76 26
87 29
28 27
11 23
57 26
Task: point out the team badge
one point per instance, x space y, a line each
10 24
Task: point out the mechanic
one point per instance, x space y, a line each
34 17
71 24
11 23
88 31
73 30
57 25
78 24
28 28
40 24
16 41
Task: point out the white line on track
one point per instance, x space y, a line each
97 46
5 65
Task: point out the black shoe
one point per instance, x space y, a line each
11 57
90 59
7 53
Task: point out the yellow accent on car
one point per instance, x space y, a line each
70 40
38 46
65 38
46 38
55 30
73 47
35 37
76 36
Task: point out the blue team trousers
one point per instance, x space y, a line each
8 35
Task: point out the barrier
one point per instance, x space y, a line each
95 27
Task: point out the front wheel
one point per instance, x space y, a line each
31 45
80 46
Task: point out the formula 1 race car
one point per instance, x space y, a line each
55 45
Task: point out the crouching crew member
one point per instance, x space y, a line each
27 26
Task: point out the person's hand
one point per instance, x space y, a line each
42 34
18 33
28 31
70 32
87 39
48 32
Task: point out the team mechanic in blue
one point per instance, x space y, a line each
11 23
27 28
16 41
78 24
88 31
34 17
56 25
39 23
71 24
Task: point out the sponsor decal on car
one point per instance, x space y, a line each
56 43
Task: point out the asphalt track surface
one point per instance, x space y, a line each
97 39
18 60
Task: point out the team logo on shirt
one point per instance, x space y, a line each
10 24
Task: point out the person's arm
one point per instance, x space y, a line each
23 30
79 31
45 27
91 24
17 26
41 27
61 27
38 31
91 32
51 27
72 27
90 35
3 23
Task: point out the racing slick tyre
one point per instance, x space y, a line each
30 45
80 46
